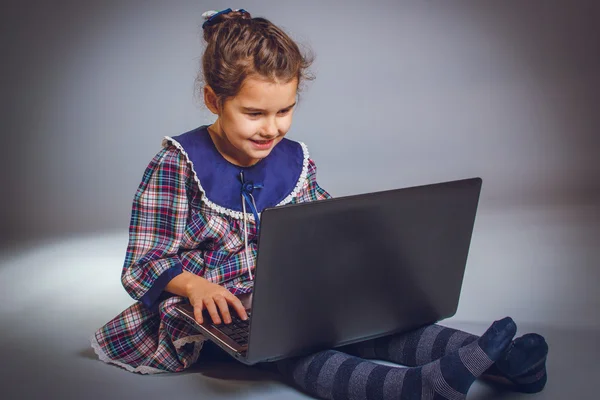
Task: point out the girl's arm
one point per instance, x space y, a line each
158 219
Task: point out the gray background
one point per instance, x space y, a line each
406 93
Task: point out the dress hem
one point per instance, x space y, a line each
198 341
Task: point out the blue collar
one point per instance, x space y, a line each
270 181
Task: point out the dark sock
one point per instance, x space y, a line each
332 374
522 366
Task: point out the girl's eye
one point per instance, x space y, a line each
258 114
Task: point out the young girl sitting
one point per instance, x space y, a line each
193 237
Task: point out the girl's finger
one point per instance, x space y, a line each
237 306
198 312
222 304
212 310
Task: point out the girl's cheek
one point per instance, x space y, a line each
286 123
243 124
247 126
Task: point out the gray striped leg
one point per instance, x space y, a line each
522 366
335 375
414 348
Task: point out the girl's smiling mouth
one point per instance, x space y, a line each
262 144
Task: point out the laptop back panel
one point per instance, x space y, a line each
338 271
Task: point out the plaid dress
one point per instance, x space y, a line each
187 215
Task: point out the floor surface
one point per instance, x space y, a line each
47 316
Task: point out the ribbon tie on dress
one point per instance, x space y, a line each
248 198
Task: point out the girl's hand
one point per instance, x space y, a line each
214 298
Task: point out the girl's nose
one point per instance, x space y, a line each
269 130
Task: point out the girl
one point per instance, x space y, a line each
193 237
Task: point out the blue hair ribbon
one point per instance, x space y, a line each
211 17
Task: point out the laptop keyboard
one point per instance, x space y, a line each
237 330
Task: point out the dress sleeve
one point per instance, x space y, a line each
312 191
158 220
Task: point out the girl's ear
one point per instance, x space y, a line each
211 100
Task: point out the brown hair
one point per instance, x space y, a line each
239 46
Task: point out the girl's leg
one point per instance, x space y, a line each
523 364
335 375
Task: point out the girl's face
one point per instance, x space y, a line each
251 124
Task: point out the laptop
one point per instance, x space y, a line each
338 271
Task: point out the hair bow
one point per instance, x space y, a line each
210 16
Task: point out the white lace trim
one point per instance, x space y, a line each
179 343
301 180
228 211
142 369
